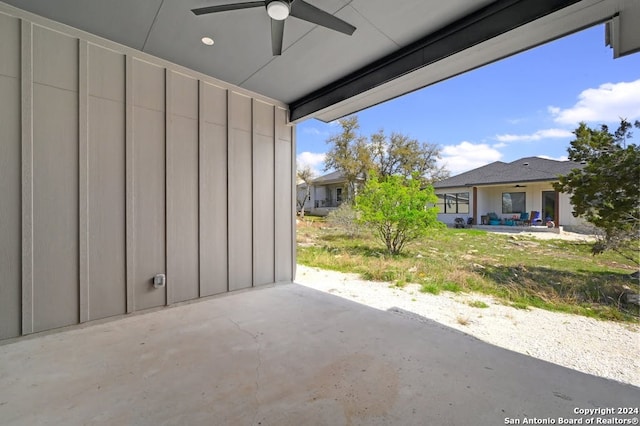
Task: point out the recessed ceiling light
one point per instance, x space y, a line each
208 41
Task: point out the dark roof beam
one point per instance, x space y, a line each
491 21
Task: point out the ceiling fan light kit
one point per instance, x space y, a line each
279 10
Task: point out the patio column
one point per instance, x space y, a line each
556 209
475 205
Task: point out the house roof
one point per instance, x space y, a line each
398 46
333 177
528 169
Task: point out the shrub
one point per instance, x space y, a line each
345 219
397 209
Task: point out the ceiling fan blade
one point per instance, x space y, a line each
277 35
225 7
307 12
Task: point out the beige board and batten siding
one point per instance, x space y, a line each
182 188
116 166
10 178
55 179
239 193
284 199
213 190
263 193
105 172
148 199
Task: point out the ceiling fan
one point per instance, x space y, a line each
279 10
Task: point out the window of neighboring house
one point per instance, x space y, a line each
339 195
453 202
514 202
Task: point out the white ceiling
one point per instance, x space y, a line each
313 57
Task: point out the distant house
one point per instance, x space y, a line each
327 192
508 190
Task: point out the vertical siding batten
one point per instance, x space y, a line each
229 179
130 186
168 189
293 196
255 203
26 73
252 192
275 217
201 133
198 181
83 178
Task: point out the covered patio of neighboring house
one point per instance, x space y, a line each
326 193
519 193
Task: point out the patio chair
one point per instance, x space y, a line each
524 219
534 218
493 219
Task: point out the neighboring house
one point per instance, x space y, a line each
508 189
327 193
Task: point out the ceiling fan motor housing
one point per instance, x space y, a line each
278 11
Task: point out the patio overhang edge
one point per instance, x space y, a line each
471 185
490 21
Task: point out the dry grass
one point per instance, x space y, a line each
462 320
478 304
554 274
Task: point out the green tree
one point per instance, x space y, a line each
397 209
606 191
398 154
349 154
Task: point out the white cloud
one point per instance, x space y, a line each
607 103
498 145
314 160
466 156
312 131
540 134
321 129
561 158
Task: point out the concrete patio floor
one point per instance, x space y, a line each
283 355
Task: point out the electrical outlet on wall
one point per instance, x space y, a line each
159 281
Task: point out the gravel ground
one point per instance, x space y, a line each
601 348
564 235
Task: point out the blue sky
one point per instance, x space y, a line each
525 105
